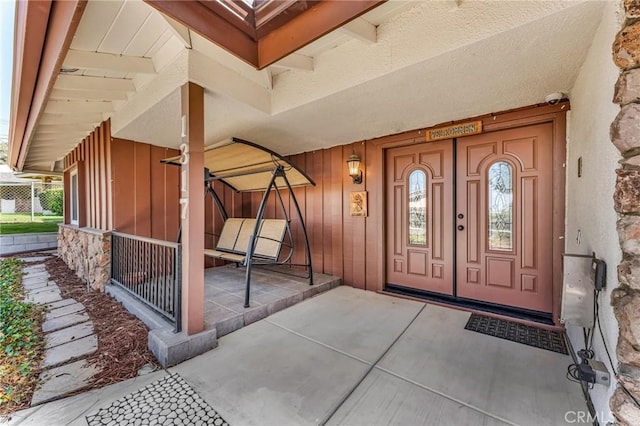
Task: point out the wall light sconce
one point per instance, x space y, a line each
353 164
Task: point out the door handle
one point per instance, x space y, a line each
460 228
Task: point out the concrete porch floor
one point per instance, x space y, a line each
224 289
359 358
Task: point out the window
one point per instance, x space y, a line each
417 207
500 206
73 189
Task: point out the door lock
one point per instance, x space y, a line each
460 216
460 228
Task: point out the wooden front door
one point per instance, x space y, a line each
498 210
504 217
420 216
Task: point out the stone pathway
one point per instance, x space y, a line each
69 336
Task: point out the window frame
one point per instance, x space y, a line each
74 199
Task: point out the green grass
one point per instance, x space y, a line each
26 217
21 345
20 223
28 228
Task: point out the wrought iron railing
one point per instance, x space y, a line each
150 270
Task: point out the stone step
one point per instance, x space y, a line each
59 381
35 274
68 334
33 269
71 350
43 297
38 284
47 286
36 279
60 303
64 310
36 258
64 321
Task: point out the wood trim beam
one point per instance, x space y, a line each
81 82
361 30
211 26
64 128
108 62
62 23
78 106
61 119
87 95
319 20
220 79
30 30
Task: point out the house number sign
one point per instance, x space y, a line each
184 160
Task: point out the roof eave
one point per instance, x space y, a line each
43 33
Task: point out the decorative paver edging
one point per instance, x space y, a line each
168 401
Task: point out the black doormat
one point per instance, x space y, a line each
550 340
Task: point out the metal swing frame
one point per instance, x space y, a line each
277 171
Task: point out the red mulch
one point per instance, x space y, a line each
122 338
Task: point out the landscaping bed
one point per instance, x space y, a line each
21 345
122 338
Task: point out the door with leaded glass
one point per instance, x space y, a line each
504 217
419 185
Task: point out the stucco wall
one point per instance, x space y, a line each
590 211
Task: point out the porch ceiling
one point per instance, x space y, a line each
400 66
481 57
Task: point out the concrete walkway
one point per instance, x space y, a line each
355 358
68 333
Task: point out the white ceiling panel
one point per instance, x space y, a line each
158 43
152 29
131 18
96 22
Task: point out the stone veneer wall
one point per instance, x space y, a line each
86 251
625 135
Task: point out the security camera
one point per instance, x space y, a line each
554 98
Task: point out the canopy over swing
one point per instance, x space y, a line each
247 167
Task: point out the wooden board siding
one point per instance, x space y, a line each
92 159
354 247
145 192
123 186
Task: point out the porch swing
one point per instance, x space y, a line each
247 167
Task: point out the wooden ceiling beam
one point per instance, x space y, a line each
108 62
61 119
296 61
88 95
320 19
361 30
211 26
81 82
65 128
78 107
